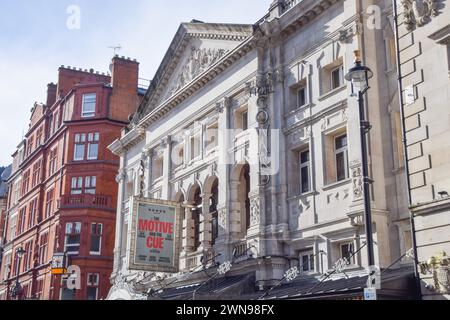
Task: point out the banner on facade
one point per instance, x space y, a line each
155 235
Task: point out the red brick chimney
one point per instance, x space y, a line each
125 76
51 94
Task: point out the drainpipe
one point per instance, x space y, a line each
405 148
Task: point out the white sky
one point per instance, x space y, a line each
35 41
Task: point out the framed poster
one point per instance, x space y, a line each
155 235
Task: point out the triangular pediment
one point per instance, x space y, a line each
196 47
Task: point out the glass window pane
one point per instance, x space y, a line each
79 152
305 263
301 96
305 179
341 142
92 293
340 166
304 157
93 151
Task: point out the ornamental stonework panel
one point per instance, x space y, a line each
418 13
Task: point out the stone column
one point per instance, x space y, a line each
205 224
120 179
166 143
223 174
188 230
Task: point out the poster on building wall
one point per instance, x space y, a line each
155 235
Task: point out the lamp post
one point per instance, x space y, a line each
359 77
17 290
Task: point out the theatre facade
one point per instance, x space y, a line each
253 130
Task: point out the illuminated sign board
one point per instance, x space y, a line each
58 265
155 235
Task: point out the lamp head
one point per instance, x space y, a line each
20 252
359 75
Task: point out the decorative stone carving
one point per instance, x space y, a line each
417 13
304 205
439 267
357 180
121 176
223 218
198 62
254 211
346 35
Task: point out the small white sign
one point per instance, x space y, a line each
370 294
410 96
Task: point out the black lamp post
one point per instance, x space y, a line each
359 77
17 290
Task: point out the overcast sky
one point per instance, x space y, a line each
35 41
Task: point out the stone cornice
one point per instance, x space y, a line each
128 141
302 14
435 206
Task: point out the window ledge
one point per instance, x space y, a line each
336 184
298 109
303 195
332 93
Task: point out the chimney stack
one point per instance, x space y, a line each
51 94
125 78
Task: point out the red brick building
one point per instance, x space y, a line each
62 190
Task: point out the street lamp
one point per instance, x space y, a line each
17 290
359 77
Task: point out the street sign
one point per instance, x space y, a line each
155 235
58 265
370 294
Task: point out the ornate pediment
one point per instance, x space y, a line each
417 13
199 60
194 50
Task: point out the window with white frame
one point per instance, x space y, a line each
72 238
337 77
13 227
305 171
347 252
212 132
244 120
89 104
178 155
96 238
307 261
6 266
93 140
93 281
157 166
76 186
341 155
196 145
43 248
90 185
80 141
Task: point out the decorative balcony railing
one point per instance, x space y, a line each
85 201
240 248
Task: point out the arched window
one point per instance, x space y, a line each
196 212
213 211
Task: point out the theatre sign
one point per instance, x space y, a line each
155 236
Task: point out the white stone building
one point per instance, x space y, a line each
301 202
424 43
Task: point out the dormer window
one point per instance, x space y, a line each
88 107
